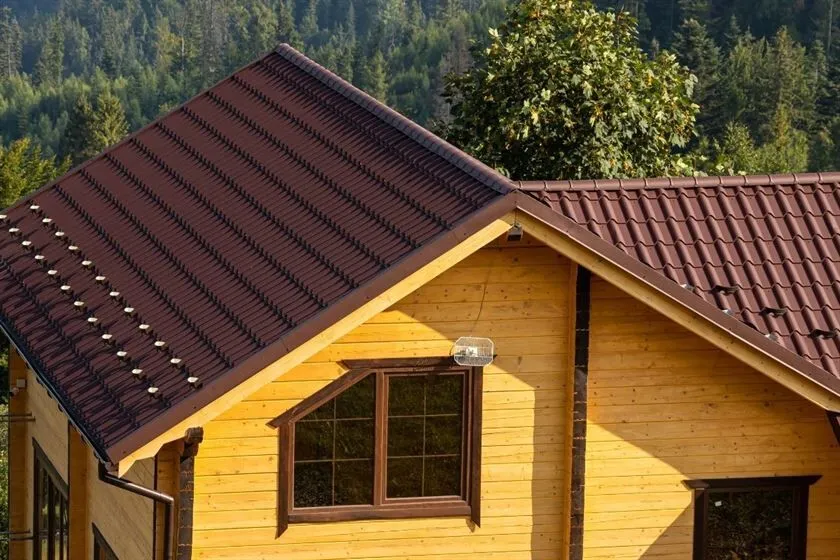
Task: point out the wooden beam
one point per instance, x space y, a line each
326 337
20 520
77 467
679 313
166 481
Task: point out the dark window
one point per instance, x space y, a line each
101 549
764 518
391 438
50 524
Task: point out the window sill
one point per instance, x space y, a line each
395 511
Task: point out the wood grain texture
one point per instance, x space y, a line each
524 290
660 415
20 462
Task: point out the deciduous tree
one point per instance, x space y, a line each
564 91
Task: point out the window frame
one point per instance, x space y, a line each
468 504
705 488
41 463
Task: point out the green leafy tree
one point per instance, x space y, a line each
23 169
564 91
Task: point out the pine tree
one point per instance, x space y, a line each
23 169
309 23
48 69
108 125
11 44
694 9
77 133
286 32
377 83
697 50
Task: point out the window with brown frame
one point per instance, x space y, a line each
389 439
50 523
763 518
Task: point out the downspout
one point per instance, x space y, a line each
165 499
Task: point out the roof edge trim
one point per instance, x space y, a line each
677 182
431 142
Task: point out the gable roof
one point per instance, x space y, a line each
762 249
213 240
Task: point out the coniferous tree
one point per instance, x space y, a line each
286 31
377 84
50 65
77 132
11 44
108 125
23 168
697 50
309 23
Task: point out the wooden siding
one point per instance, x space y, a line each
666 406
517 296
123 518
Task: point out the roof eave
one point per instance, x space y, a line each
34 364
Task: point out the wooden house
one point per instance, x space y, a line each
236 336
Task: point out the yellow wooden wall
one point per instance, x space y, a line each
665 406
123 518
524 310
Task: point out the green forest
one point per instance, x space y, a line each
76 75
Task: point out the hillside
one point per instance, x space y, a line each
767 71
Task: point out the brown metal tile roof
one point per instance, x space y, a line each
217 232
763 249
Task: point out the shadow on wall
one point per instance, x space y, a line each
666 406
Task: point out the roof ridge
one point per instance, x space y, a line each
412 130
659 183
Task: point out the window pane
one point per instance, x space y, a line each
314 440
445 394
443 435
405 478
443 476
324 412
406 394
425 421
354 439
313 484
353 482
755 524
359 401
405 437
